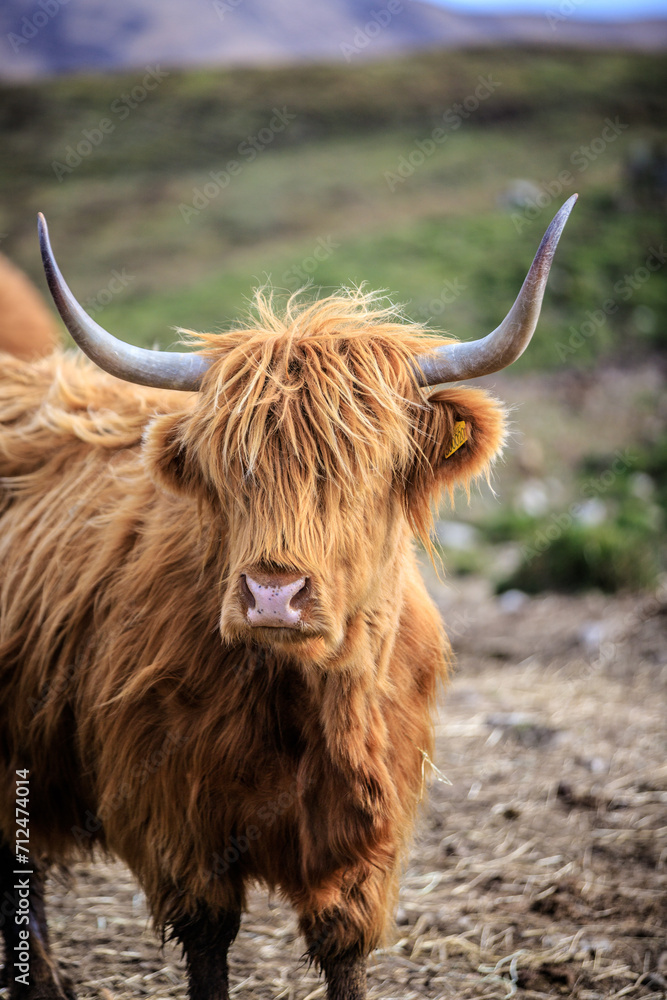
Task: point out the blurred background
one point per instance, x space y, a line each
185 153
184 158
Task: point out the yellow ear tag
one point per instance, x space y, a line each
459 438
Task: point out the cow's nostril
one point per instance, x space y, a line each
246 593
302 598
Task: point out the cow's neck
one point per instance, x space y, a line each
353 685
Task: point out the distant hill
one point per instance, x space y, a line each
48 37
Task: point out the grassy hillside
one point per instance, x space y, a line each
349 183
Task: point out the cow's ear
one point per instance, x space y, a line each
458 433
169 463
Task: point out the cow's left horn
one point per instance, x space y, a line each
162 369
454 362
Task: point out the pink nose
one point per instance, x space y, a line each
276 600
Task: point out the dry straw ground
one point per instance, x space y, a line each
539 872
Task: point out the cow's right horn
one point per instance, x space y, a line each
471 359
161 369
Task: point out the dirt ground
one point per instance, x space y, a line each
538 872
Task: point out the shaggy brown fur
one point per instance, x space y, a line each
27 328
153 719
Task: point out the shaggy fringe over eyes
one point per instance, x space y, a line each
305 407
327 385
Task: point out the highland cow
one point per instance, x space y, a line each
218 660
27 328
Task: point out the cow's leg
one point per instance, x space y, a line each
344 969
206 938
346 976
42 981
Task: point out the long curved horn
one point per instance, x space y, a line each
161 369
454 362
